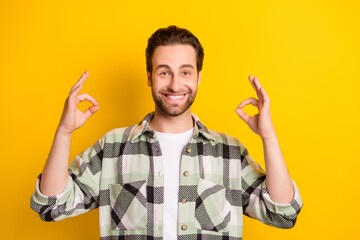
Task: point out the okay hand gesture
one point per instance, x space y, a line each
260 123
72 118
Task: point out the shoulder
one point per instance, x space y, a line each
118 134
221 137
226 139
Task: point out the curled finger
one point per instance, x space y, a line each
252 101
84 96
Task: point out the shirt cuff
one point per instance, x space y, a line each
44 199
290 208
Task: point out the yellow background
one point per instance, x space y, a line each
305 54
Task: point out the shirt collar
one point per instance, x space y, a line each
143 128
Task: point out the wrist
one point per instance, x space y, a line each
269 138
63 133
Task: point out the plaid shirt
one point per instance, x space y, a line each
122 175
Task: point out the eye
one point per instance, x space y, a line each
162 73
187 73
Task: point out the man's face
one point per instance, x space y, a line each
174 78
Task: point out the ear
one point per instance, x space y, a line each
149 79
199 77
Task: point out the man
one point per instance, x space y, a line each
168 177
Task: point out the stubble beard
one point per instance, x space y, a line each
174 110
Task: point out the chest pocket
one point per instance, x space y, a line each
212 209
128 205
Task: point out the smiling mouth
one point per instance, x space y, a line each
174 96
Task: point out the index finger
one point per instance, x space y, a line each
80 81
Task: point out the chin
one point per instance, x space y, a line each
173 112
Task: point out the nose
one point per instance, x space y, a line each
175 83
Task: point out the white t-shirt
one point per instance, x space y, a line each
171 145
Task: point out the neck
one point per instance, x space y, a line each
171 124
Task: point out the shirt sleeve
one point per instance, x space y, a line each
257 203
82 189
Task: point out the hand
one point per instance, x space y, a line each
260 123
72 118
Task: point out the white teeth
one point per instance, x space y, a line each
175 97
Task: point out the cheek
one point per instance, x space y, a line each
194 85
156 86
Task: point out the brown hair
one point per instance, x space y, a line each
172 35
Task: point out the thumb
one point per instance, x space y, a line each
91 110
243 115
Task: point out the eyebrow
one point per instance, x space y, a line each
167 66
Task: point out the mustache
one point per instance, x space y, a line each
182 91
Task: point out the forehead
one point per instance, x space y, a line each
174 55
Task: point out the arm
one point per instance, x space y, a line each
277 179
256 201
81 191
60 189
55 172
275 198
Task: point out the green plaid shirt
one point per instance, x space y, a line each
122 174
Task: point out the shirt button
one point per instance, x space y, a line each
186 173
188 150
184 200
184 227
